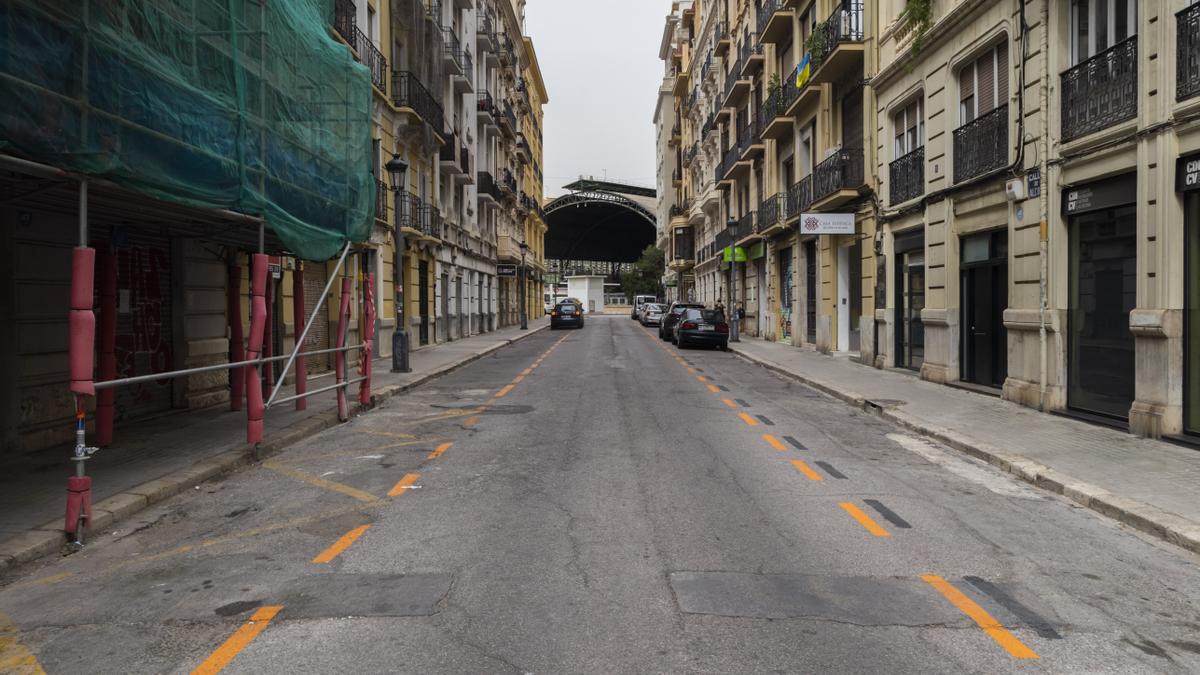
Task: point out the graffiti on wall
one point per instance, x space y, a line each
143 344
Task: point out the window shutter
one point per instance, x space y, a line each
966 82
1002 73
986 67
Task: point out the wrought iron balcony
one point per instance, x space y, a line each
841 171
486 183
845 25
766 11
408 92
772 211
411 212
343 19
723 239
744 227
1101 91
485 104
799 197
372 58
906 175
508 184
452 49
721 39
1187 53
981 145
381 199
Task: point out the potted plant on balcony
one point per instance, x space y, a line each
919 15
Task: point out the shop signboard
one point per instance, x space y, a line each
827 223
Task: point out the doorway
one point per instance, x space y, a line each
984 354
446 306
1103 291
810 291
910 300
760 301
462 318
843 299
423 300
785 295
1191 334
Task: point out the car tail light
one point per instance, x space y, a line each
554 312
578 313
688 325
722 328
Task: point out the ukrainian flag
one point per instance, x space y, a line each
804 71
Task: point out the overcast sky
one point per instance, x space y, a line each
600 63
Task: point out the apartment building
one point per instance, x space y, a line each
673 233
1018 201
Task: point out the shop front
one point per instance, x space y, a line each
1102 220
909 279
1188 183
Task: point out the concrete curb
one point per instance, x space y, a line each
1146 518
50 538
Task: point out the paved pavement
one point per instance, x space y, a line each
32 486
1148 484
597 501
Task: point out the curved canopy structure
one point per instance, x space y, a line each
600 222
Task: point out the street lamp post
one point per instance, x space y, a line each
397 168
733 317
522 291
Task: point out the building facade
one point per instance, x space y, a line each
774 202
415 121
1022 183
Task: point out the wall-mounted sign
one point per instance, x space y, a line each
1033 182
826 223
506 270
1187 173
1102 194
733 254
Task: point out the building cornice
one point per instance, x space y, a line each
944 26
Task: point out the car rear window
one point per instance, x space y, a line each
566 308
712 315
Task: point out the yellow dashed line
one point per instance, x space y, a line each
806 470
228 651
864 520
504 391
441 449
727 401
748 419
714 389
340 545
404 484
981 618
774 442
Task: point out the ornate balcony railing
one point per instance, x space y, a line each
799 196
841 171
408 210
372 58
981 145
486 184
485 104
906 176
451 47
407 91
844 25
1101 91
381 199
343 19
744 227
1187 53
765 11
772 211
723 239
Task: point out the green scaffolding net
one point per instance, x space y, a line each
245 105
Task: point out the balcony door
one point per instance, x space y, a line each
852 120
1097 25
983 84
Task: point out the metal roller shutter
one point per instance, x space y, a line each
315 278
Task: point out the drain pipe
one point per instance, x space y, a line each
1043 205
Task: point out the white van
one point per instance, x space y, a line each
638 301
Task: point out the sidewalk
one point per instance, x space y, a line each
1150 485
152 460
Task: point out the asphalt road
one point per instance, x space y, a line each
598 501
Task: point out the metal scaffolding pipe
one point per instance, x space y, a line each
339 359
298 311
138 379
308 325
341 385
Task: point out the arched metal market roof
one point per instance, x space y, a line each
600 220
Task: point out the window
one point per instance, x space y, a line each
1097 25
983 84
909 125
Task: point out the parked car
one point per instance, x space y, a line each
638 301
702 327
652 313
667 324
566 313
